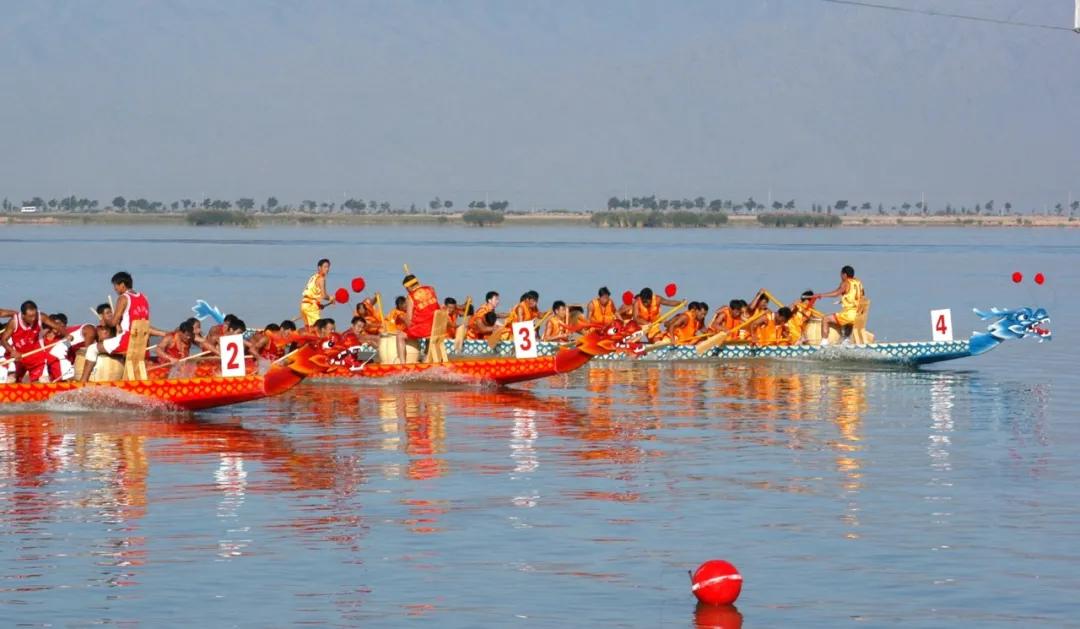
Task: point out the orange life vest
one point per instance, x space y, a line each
599 313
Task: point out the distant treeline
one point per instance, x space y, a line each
659 219
219 217
479 218
799 220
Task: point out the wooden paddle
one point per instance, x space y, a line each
182 360
8 361
721 337
770 297
664 317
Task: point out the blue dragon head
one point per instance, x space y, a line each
1010 324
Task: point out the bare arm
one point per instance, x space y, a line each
118 312
408 311
840 290
56 326
670 302
5 340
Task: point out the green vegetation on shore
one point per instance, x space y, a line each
659 219
480 218
776 219
219 217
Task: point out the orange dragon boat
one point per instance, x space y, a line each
195 393
494 369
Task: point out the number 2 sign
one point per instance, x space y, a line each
524 339
941 320
232 355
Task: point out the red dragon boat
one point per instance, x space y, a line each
195 393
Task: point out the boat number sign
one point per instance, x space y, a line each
524 339
232 355
941 320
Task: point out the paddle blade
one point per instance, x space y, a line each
671 289
627 298
341 296
203 310
358 285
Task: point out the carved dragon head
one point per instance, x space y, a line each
618 336
1017 324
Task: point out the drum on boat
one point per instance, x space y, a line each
812 331
388 353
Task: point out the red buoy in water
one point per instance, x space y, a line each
1017 277
671 289
716 582
628 298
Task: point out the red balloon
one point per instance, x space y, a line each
1017 277
628 298
716 582
671 289
358 285
1039 278
341 296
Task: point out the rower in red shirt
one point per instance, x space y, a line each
75 337
22 338
130 307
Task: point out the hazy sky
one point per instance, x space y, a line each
547 104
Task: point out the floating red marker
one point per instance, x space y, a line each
358 285
628 298
341 296
716 582
1039 278
671 289
717 616
1017 277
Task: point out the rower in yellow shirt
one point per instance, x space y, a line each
557 329
850 292
395 319
314 298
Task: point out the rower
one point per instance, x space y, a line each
267 343
176 345
314 298
452 313
130 307
68 344
476 328
288 331
420 307
728 317
851 292
767 330
326 330
373 321
224 329
801 312
685 326
23 335
525 310
576 317
602 309
395 320
557 329
646 310
793 324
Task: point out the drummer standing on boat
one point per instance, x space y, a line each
850 292
421 304
314 298
130 307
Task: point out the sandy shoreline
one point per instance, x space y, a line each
742 221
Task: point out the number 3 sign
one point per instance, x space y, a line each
941 320
232 355
524 339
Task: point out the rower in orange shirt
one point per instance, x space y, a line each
395 319
525 310
373 321
683 327
771 329
602 309
727 318
557 329
646 310
477 326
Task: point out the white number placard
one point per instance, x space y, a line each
524 339
232 355
941 323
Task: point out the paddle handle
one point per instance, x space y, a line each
182 360
8 361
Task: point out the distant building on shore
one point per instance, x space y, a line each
29 209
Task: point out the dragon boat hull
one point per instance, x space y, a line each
497 370
192 394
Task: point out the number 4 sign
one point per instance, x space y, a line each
941 320
232 355
524 339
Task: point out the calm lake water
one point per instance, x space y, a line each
845 494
